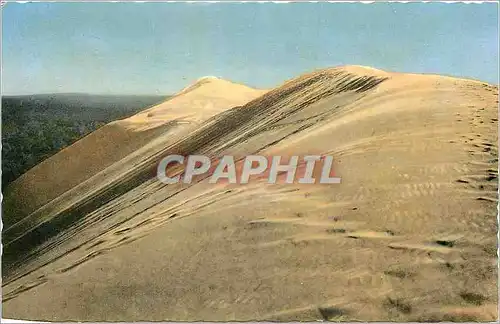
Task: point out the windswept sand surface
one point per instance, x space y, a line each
164 124
409 234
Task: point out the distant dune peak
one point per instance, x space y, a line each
213 84
207 78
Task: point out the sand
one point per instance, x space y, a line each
73 165
409 234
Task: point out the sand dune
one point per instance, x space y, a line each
409 234
113 142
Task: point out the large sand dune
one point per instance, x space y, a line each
409 234
175 117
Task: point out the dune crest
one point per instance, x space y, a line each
201 100
363 70
114 141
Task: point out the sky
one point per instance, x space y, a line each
159 48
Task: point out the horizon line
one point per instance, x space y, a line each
230 80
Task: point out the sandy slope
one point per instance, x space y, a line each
409 234
177 116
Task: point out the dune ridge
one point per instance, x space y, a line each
94 153
410 234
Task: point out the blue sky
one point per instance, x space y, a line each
148 48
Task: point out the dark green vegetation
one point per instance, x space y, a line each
34 127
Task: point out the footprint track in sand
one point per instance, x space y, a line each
401 273
424 247
23 288
301 221
111 245
337 233
371 235
139 229
397 304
